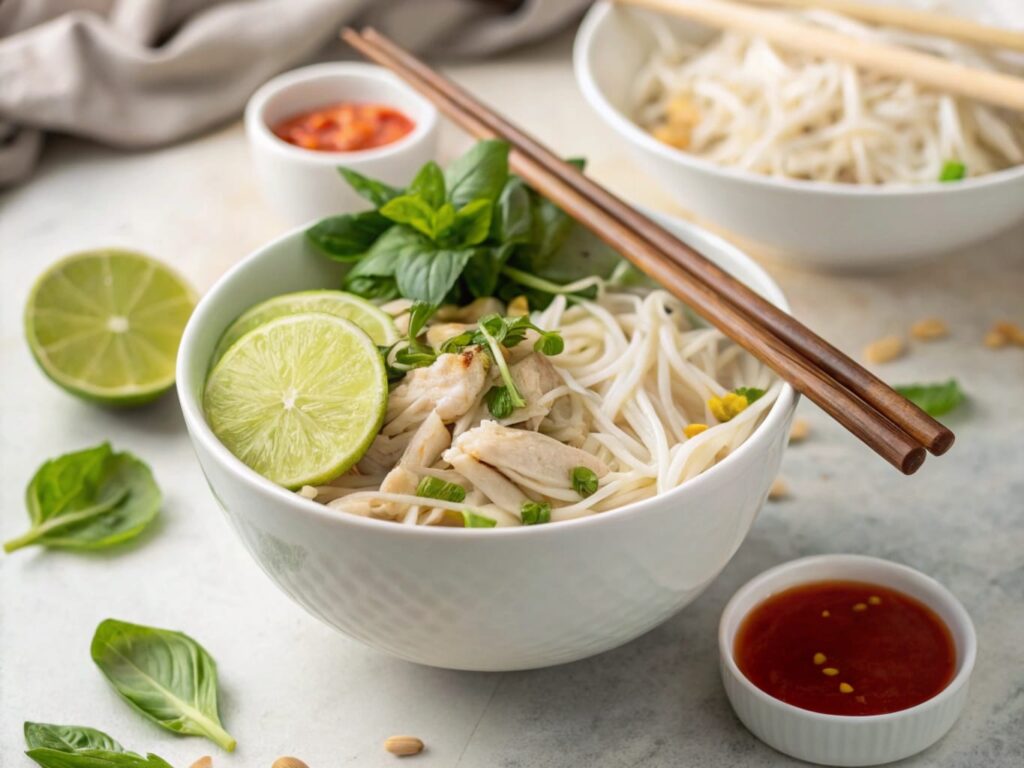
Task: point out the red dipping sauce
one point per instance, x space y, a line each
846 648
346 127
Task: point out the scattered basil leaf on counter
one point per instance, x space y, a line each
436 488
166 676
95 758
953 170
751 393
535 512
89 499
934 399
377 192
475 520
67 738
584 481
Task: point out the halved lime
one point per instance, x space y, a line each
105 325
378 324
300 398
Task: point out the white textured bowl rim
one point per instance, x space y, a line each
346 70
775 419
965 656
593 94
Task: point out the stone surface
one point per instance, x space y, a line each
292 686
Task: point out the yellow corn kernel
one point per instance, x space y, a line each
727 406
830 671
672 135
692 430
518 307
819 658
845 688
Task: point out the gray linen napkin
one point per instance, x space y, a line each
140 73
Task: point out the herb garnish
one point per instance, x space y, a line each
166 676
75 746
535 512
476 520
934 399
952 170
436 488
584 481
89 499
750 393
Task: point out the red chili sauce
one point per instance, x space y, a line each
345 127
845 648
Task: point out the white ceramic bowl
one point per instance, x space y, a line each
302 184
822 225
843 740
498 599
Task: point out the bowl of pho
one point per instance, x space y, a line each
458 428
818 163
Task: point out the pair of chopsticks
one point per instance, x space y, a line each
996 88
891 425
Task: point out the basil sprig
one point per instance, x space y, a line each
449 236
166 676
89 499
76 746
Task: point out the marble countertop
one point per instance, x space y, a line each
293 686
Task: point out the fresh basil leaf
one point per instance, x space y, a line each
427 275
584 481
382 259
166 676
473 222
372 287
481 272
68 738
414 354
480 173
751 393
94 758
428 185
436 488
89 499
934 399
512 221
410 210
499 402
476 520
349 236
377 192
443 220
952 171
419 314
535 512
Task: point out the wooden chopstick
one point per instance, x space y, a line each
870 426
924 22
995 88
918 424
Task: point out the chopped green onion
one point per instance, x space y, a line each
535 512
474 520
584 481
953 170
436 488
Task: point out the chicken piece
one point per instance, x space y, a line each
534 377
440 333
450 386
566 421
383 453
472 312
527 458
428 442
490 482
398 480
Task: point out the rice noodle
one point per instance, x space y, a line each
741 102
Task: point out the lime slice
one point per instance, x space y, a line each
299 399
105 325
377 323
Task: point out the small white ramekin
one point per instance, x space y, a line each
835 739
303 184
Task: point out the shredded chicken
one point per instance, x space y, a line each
450 387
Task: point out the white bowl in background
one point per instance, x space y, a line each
839 739
303 184
814 224
475 599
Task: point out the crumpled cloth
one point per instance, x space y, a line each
141 73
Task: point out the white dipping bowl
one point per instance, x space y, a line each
478 599
841 739
815 224
304 184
